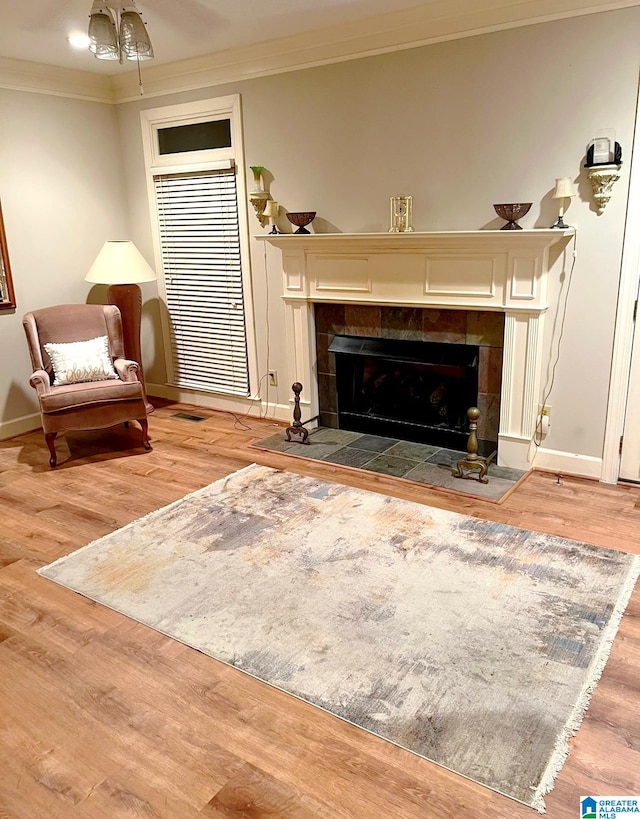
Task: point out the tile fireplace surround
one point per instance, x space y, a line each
483 270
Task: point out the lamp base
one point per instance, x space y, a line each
560 225
128 299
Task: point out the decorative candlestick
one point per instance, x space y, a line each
296 428
271 212
564 190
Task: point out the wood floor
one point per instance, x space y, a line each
103 717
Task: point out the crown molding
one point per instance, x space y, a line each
421 25
428 23
38 78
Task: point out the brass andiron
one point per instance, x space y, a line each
473 461
296 427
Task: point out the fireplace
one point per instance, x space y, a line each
412 390
420 353
489 272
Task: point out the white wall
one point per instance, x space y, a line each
459 125
62 196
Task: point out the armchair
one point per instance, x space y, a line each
90 404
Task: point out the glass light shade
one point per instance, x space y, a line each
134 39
564 188
102 32
120 262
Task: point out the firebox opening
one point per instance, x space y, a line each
414 390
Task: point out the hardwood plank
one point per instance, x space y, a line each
253 793
102 717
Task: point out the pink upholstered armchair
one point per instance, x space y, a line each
82 404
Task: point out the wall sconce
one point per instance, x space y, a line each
271 212
604 158
564 190
259 196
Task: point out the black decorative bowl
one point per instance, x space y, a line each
512 213
301 219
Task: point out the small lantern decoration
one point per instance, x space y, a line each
401 214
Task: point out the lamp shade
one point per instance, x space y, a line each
120 262
271 208
564 188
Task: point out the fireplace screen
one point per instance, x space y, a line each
414 390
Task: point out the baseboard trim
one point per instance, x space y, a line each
18 426
252 407
552 460
568 463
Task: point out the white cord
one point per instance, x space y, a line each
536 439
240 418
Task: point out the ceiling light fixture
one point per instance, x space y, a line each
117 32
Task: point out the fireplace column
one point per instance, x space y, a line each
521 365
301 355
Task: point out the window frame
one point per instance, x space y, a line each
191 113
152 119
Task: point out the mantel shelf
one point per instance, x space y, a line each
504 238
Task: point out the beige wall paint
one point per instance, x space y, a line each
62 196
459 125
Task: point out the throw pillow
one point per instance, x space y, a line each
79 361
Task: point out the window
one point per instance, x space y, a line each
201 136
196 188
201 263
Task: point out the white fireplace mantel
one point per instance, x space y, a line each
500 270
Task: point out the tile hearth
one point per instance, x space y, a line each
421 463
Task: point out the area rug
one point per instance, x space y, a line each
474 644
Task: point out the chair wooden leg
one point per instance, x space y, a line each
145 432
50 437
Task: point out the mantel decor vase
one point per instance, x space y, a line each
301 219
512 212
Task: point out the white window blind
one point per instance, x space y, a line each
200 245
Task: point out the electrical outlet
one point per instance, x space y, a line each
273 378
544 409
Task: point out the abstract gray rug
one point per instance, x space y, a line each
471 643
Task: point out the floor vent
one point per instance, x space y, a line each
185 416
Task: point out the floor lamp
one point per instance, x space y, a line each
121 265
